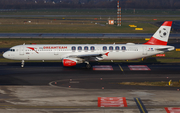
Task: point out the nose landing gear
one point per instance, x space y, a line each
22 63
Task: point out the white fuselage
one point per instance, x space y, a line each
58 52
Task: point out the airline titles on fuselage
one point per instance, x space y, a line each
55 47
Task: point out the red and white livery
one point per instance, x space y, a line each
162 34
73 54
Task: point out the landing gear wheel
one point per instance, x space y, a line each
22 63
88 66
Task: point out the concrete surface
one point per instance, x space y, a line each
52 99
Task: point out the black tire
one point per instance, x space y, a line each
88 66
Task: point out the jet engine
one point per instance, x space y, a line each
69 62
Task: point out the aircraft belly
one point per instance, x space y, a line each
123 55
45 56
39 56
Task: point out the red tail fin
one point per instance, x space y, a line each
162 34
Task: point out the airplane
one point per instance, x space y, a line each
73 54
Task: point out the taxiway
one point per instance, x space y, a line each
49 87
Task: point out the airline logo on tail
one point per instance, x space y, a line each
162 34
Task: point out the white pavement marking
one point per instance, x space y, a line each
172 110
102 67
112 102
139 67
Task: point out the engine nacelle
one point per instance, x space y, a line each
69 62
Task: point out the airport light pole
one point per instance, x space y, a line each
118 14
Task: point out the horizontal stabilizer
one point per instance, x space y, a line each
166 48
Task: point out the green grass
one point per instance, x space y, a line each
102 11
162 83
174 53
168 60
77 25
6 43
62 12
69 28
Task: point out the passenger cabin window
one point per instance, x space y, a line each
79 48
86 48
111 48
92 48
73 48
104 48
117 48
123 48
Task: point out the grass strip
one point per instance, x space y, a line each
91 11
75 28
7 43
161 83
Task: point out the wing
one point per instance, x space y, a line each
88 55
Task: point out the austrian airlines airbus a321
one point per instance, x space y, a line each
72 54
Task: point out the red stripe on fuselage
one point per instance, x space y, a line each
167 23
31 48
154 41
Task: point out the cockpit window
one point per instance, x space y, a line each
13 50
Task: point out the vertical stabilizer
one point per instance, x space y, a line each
162 34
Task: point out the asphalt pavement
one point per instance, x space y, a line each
49 87
89 16
47 72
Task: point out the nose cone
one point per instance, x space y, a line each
5 55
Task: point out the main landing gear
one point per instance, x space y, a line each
22 63
88 66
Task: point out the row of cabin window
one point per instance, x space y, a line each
87 48
93 48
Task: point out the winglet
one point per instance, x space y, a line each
106 53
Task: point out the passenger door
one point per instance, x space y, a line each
144 50
21 50
56 52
